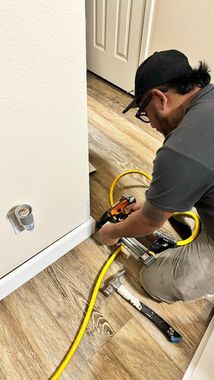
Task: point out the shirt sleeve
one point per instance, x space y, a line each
178 181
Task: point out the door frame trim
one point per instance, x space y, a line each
46 257
197 355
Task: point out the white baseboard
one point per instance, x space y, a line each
36 264
91 168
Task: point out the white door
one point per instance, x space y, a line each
114 36
43 130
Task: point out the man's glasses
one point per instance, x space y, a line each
141 114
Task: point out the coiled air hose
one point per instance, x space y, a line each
189 214
83 327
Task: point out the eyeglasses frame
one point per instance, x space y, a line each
145 104
141 111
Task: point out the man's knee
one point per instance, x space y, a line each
167 278
156 285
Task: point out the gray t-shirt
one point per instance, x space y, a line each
183 173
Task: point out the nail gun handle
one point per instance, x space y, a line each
116 213
172 335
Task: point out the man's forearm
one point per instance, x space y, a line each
137 224
141 222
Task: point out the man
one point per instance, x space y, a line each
179 102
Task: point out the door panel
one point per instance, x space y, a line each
114 35
100 25
123 24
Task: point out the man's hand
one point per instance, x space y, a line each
144 220
107 234
133 207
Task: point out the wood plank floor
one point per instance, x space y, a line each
39 320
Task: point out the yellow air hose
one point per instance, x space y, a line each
75 344
83 327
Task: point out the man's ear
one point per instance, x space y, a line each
160 99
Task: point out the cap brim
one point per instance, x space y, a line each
133 104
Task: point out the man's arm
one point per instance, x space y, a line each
142 222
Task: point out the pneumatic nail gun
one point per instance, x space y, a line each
118 213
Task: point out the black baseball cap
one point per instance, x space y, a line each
160 68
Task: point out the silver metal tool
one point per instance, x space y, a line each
114 284
139 251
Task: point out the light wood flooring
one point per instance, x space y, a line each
39 321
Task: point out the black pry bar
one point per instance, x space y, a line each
171 334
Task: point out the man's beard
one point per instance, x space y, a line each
166 124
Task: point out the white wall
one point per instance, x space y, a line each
186 25
43 130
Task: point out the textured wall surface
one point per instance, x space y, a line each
186 25
43 132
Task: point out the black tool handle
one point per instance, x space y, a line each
172 335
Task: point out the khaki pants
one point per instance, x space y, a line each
184 273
